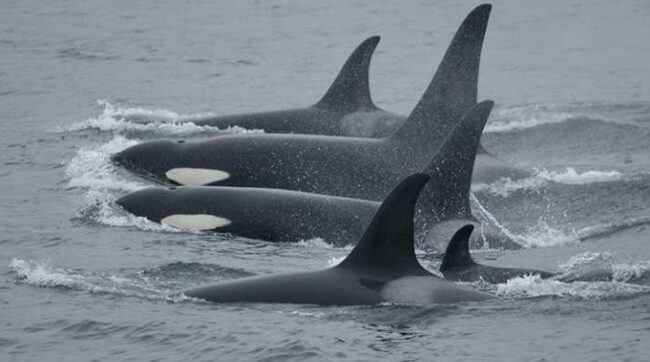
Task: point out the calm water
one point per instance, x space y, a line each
81 280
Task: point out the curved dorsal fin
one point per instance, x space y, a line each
388 240
453 89
351 90
447 194
457 253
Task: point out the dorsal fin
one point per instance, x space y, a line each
388 240
447 194
351 90
453 89
457 253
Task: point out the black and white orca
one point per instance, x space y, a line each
364 168
346 109
458 264
284 215
382 268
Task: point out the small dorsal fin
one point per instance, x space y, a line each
447 194
453 89
457 253
351 90
388 240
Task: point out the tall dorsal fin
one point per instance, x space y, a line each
388 240
351 90
457 253
447 194
453 89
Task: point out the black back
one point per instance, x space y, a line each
351 90
387 244
457 253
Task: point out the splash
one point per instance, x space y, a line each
90 167
44 275
320 243
100 208
335 260
157 122
603 266
531 286
91 170
542 234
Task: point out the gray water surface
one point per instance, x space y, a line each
82 280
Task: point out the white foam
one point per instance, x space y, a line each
534 286
161 121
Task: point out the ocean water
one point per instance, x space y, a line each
82 280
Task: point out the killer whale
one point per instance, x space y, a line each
364 168
346 109
257 213
284 215
458 264
382 267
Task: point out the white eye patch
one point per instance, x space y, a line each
195 222
196 176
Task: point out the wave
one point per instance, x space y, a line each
157 283
543 234
320 243
43 274
540 235
525 116
595 231
571 177
603 266
531 286
520 117
190 271
100 208
161 283
147 122
91 168
584 276
505 186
